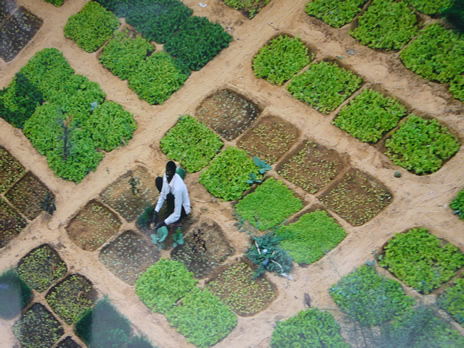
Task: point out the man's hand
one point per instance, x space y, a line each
159 225
155 217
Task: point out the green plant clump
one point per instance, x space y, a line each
430 7
56 3
227 175
280 59
421 146
457 204
311 237
370 116
335 13
202 318
197 42
387 24
250 7
419 259
456 87
191 143
157 78
452 300
269 205
123 53
455 15
162 284
369 297
310 328
437 54
324 86
15 294
91 27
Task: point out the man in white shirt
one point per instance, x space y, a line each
172 190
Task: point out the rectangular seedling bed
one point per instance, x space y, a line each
6 8
311 166
269 139
335 13
128 256
18 30
205 249
10 169
93 226
357 197
28 195
236 286
42 267
131 193
11 223
228 113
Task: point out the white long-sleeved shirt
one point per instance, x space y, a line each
181 197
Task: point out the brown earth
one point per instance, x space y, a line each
417 200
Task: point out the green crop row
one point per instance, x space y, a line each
311 237
269 205
56 3
336 13
419 259
324 86
369 297
430 7
421 146
191 143
457 204
280 59
91 27
250 7
387 24
370 116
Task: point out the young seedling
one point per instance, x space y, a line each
178 238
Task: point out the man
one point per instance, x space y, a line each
173 190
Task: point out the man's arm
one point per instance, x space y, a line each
163 194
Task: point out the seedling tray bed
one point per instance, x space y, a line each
10 169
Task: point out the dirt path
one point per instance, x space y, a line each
418 201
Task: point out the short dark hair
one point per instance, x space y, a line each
171 166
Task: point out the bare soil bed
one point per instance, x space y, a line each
415 200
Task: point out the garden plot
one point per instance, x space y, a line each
357 197
93 226
311 166
128 256
29 195
205 248
11 223
269 139
10 169
237 287
336 13
131 193
6 8
452 300
42 267
248 8
17 31
228 113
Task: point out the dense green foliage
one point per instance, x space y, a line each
336 13
417 328
269 205
370 116
311 237
457 204
162 284
202 318
387 24
123 54
15 294
455 15
19 100
56 3
418 259
157 78
437 54
457 87
119 7
369 297
430 7
324 86
227 175
197 42
250 7
310 328
91 27
191 143
421 145
452 300
280 59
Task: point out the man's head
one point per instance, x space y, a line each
170 170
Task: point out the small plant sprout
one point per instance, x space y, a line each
178 238
253 179
160 236
133 182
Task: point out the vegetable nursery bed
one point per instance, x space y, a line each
128 256
228 113
131 193
10 169
269 139
6 7
17 31
93 226
11 223
205 248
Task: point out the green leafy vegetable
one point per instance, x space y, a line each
336 13
452 300
430 7
250 7
457 204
